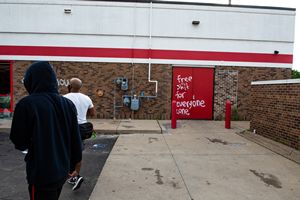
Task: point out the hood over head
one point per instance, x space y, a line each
40 78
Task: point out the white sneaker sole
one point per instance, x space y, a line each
78 183
70 182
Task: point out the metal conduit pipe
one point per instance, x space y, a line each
115 106
150 49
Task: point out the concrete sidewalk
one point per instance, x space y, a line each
198 160
106 126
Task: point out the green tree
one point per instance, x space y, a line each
295 74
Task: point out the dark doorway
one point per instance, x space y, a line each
5 87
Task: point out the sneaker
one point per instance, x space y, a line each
72 180
79 180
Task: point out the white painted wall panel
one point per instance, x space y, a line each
222 45
68 40
223 25
128 25
38 18
129 20
105 41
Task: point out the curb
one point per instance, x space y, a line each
276 147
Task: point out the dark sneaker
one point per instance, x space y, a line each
79 180
72 180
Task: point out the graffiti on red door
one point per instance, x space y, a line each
184 106
192 91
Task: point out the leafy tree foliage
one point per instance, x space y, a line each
295 74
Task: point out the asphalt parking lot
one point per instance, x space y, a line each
12 168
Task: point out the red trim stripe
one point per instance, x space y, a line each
222 56
145 54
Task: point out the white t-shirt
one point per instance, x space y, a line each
82 103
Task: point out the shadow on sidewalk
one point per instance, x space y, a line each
12 169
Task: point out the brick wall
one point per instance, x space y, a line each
100 76
230 82
275 112
234 83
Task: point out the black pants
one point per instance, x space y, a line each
48 192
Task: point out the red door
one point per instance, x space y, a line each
193 92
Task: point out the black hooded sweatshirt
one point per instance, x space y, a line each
45 123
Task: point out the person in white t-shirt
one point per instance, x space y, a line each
84 107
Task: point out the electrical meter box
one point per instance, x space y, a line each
126 101
135 103
124 84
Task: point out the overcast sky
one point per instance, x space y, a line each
280 3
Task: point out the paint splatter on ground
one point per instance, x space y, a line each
268 179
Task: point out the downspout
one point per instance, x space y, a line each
133 46
150 52
132 61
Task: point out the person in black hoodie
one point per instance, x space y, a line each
45 123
